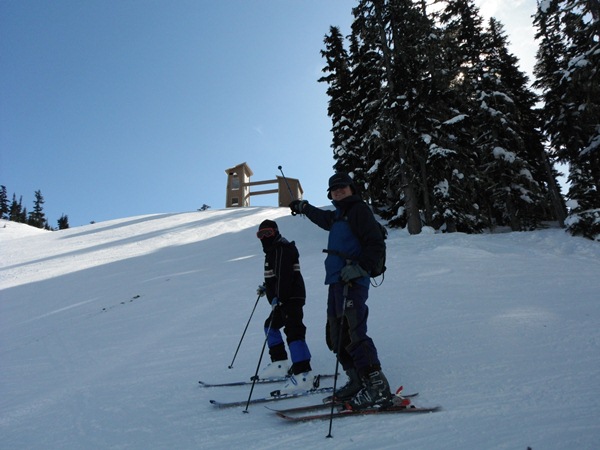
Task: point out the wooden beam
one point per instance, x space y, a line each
272 191
257 183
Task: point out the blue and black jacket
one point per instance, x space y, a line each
353 235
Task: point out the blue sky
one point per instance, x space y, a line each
119 108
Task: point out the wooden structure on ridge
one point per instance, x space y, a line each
239 193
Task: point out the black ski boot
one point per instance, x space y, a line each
375 393
351 388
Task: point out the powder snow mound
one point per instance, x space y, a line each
15 230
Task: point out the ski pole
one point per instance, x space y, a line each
286 183
255 377
244 333
292 196
337 360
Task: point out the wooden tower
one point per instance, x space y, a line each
238 187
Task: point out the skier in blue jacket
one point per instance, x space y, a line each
355 245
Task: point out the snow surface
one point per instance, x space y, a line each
106 329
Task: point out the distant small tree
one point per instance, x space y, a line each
63 222
4 207
37 217
16 212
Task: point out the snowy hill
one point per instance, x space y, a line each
13 230
106 329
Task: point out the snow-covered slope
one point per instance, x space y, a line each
105 330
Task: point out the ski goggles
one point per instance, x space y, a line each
265 233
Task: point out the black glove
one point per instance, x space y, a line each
261 291
351 271
297 206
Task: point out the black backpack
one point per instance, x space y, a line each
379 269
380 266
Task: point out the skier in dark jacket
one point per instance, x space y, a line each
285 291
354 247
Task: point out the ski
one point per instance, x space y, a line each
318 406
271 398
243 383
360 412
327 400
249 382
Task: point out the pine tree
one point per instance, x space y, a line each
510 171
567 72
465 38
366 87
505 107
4 206
395 31
340 103
37 217
63 222
17 213
434 119
529 141
582 106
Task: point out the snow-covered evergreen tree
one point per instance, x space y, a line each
434 120
515 178
465 209
340 104
567 72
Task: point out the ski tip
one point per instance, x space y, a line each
425 409
286 416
